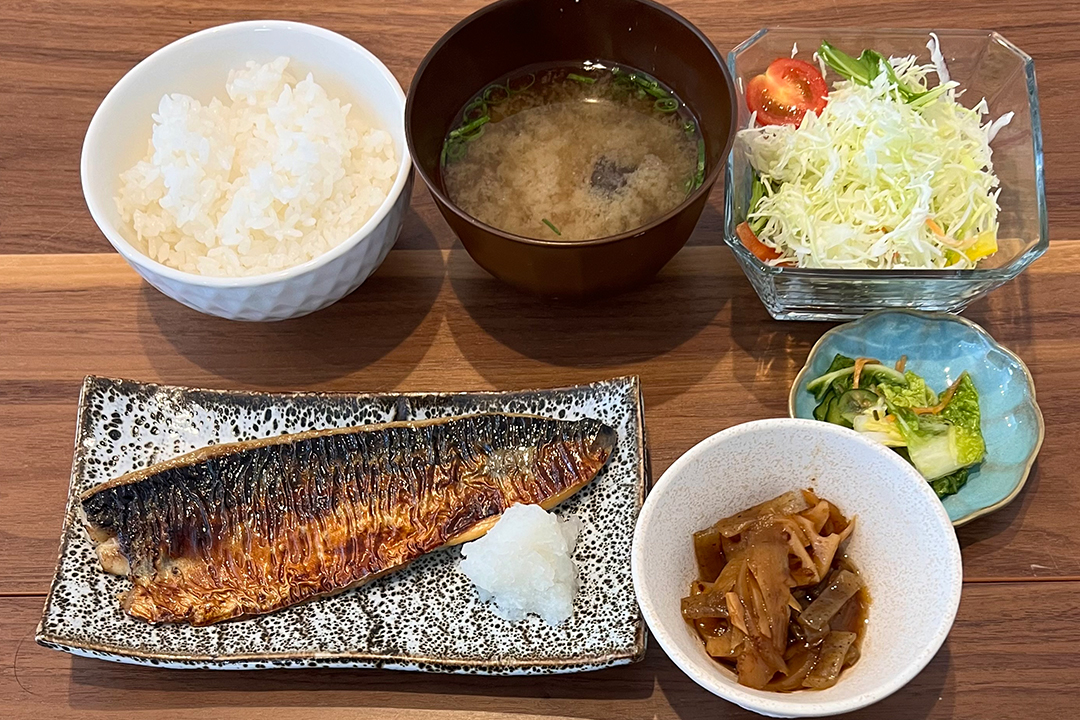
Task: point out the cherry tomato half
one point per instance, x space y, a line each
786 91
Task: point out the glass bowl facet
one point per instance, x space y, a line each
986 65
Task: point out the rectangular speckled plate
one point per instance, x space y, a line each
425 617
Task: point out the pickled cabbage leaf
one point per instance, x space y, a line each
950 484
915 394
963 411
939 445
876 428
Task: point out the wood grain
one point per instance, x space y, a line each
1004 659
429 319
708 355
58 59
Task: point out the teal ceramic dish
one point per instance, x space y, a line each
939 347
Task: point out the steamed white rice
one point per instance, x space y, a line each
524 564
278 176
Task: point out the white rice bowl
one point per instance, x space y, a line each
277 177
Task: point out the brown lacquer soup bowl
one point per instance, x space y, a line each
509 35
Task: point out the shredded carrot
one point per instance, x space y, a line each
945 398
751 242
949 240
860 363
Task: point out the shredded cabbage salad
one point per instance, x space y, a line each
891 174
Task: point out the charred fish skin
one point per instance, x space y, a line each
249 528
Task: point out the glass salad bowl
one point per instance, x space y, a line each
987 66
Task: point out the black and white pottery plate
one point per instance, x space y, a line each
425 617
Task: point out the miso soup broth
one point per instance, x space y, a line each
572 152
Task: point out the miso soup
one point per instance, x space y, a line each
572 152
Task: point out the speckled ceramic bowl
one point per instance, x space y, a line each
939 347
903 545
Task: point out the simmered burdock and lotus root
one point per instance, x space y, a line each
777 600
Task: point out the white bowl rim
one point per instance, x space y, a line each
779 706
139 259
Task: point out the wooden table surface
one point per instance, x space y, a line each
430 319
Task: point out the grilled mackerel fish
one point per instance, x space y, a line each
248 528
